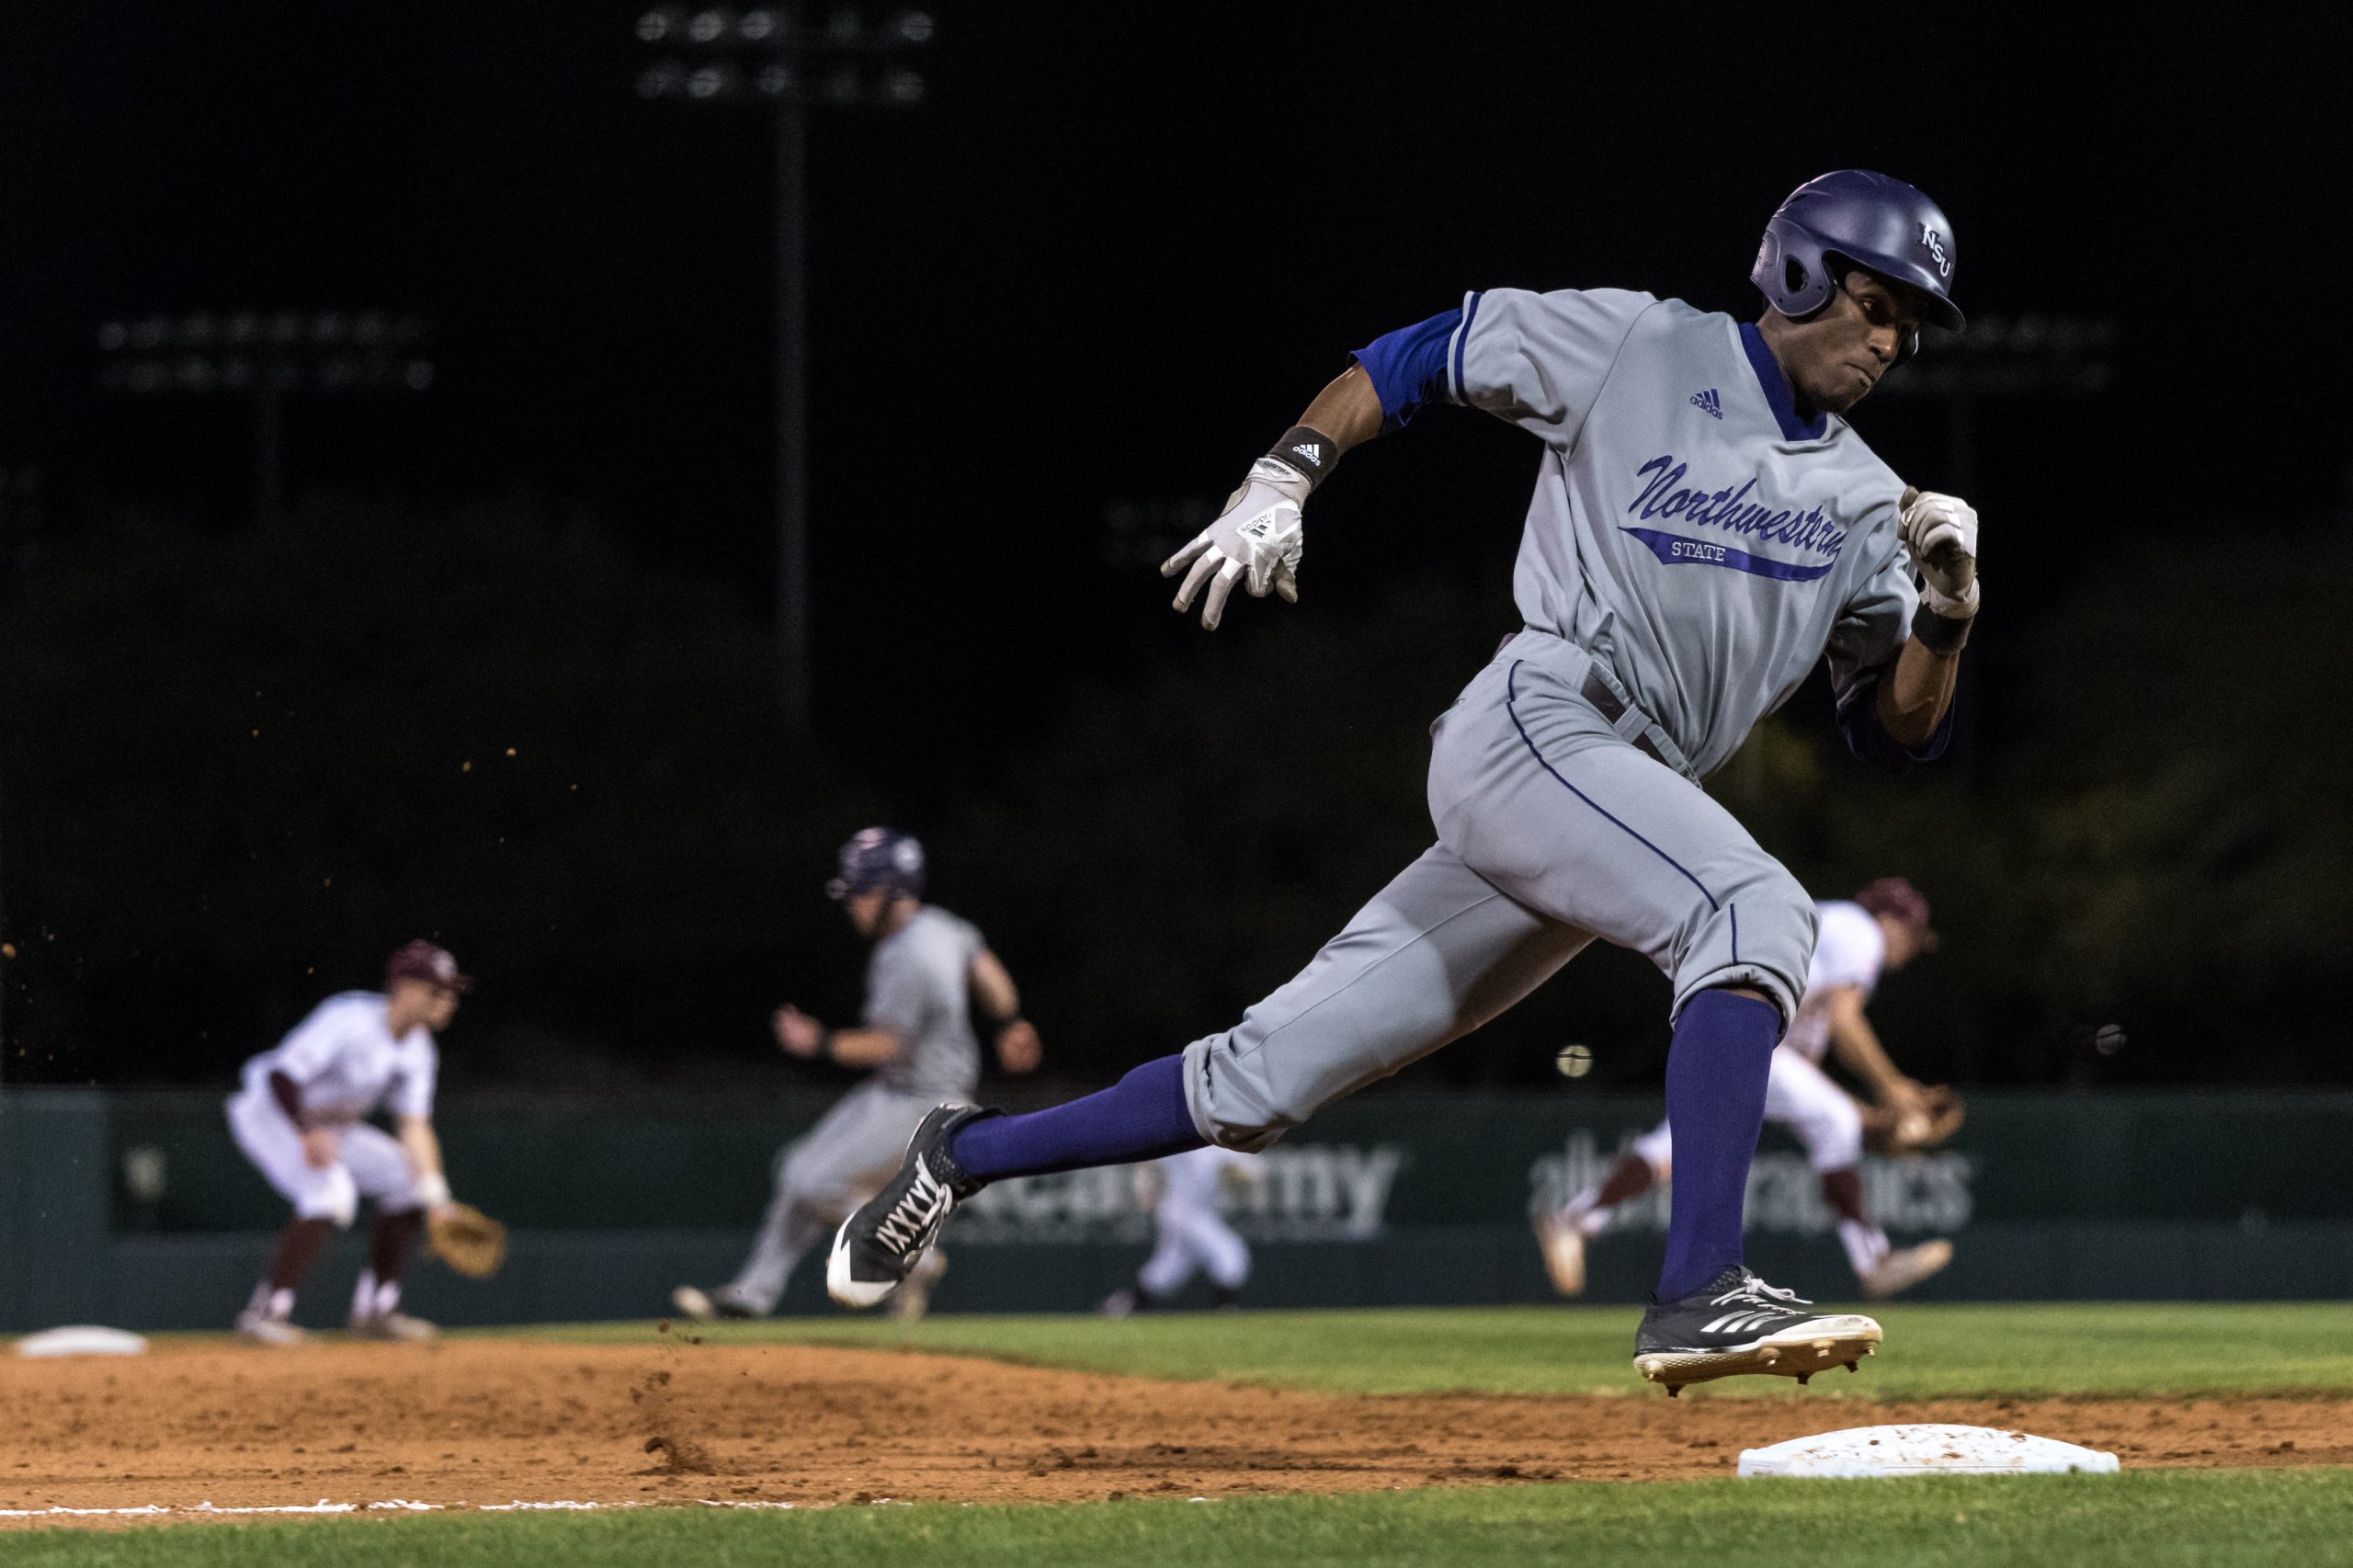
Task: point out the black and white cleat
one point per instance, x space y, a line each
1739 1325
880 1244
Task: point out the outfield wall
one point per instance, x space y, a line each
135 1209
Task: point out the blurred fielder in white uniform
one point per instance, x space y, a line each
1885 927
1190 1231
302 1118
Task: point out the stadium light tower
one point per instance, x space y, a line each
788 59
269 355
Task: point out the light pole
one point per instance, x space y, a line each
269 355
784 57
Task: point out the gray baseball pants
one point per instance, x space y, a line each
822 1175
1553 829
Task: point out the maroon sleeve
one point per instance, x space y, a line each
289 1096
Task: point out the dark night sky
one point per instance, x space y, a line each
1111 257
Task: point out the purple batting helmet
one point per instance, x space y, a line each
879 858
1867 219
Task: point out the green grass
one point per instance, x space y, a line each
1932 1351
2147 1521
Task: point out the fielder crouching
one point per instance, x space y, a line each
301 1117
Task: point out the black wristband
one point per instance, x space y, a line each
824 1042
998 1025
1310 451
1939 635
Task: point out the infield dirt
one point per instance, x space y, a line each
473 1422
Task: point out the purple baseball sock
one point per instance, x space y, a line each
1716 1068
1142 1116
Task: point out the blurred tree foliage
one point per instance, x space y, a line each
2153 834
239 770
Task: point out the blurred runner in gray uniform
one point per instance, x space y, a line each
1705 527
927 969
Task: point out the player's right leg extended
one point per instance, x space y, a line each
1434 955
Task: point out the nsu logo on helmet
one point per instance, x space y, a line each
1865 220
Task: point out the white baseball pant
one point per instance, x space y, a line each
371 1164
1800 1096
1190 1233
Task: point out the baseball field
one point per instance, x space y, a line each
1370 1438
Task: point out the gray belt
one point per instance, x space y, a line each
1613 709
1635 727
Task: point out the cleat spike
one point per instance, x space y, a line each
1852 1367
1804 1378
1674 1390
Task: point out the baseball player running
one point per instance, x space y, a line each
1885 927
301 1116
1189 1233
925 970
1705 526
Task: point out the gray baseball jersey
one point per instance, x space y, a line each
1688 527
918 986
1693 548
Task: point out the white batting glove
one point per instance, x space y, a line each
1940 532
1255 541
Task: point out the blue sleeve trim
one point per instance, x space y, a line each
1408 368
1868 739
1462 336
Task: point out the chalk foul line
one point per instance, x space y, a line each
395 1505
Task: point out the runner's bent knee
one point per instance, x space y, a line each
1753 930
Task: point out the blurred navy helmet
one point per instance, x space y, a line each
1867 219
879 858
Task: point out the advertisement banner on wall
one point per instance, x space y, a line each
1342 1192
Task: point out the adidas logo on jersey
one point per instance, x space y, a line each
1709 404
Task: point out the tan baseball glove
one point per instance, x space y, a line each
468 1240
1888 1132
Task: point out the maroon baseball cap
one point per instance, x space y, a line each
1900 902
423 960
